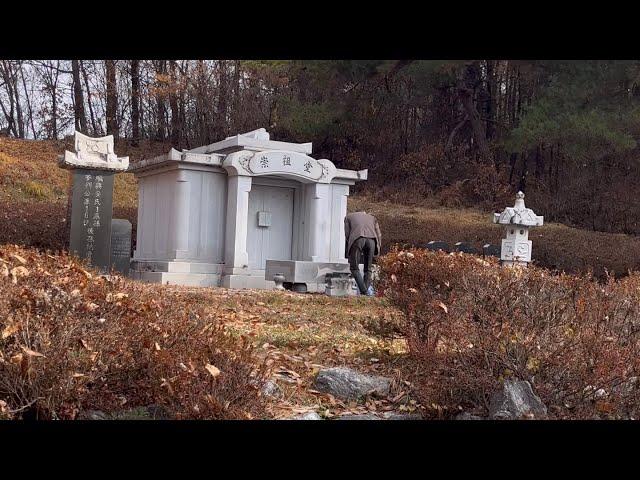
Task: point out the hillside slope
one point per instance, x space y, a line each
33 196
29 172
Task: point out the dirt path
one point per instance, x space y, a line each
298 334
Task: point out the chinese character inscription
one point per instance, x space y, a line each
91 213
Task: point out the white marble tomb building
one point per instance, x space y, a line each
217 214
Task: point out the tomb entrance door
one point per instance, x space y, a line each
270 225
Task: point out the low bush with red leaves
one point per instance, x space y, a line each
471 323
72 340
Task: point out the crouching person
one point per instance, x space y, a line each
362 243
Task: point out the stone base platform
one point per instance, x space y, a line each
312 274
247 281
198 274
194 274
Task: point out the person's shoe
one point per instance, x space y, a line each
371 292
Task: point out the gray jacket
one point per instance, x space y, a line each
361 224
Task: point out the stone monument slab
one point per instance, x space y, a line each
91 210
93 166
121 245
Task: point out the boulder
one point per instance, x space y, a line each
151 412
467 416
271 389
364 416
401 416
516 400
305 416
627 387
93 415
347 384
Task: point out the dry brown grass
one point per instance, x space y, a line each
290 337
29 175
72 340
29 170
555 245
297 335
470 323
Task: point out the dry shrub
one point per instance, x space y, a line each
43 224
484 188
72 340
472 323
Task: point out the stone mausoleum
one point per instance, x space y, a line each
239 211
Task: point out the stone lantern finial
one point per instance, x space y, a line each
516 247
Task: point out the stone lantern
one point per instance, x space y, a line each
516 247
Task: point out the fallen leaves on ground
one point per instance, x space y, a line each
293 336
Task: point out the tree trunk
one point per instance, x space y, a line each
26 96
490 109
112 99
54 113
466 84
16 93
221 110
161 69
5 67
89 103
236 96
135 101
173 105
80 116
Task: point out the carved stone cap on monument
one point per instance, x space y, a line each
518 215
93 153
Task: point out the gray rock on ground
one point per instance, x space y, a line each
93 415
305 416
402 416
467 416
347 384
627 387
364 416
151 412
271 389
516 400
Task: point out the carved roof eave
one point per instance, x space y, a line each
237 163
174 156
71 160
525 218
242 142
233 163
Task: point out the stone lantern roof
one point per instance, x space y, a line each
518 215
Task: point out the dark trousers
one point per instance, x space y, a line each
362 251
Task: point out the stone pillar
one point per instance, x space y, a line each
319 222
236 257
338 213
180 227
